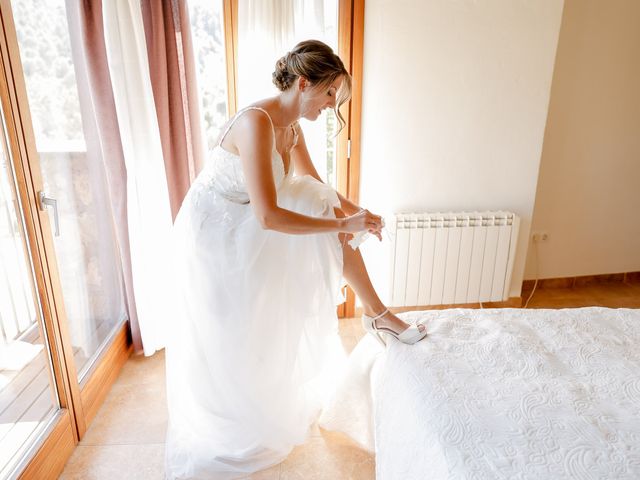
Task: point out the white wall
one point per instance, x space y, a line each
455 97
588 196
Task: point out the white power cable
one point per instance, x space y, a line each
535 244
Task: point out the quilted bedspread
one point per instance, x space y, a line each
499 393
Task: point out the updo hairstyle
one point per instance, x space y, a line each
315 61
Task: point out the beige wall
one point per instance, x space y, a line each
455 100
588 194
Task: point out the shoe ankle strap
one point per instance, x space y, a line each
381 315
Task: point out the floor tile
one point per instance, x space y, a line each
131 414
140 369
332 456
108 462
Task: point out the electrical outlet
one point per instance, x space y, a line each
540 237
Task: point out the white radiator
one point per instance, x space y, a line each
453 258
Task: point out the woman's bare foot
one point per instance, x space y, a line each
390 321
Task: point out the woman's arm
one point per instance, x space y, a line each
304 166
254 141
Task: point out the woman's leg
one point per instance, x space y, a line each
355 273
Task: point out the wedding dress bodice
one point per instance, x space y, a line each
223 173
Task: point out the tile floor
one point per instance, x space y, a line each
125 440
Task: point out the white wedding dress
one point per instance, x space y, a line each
253 350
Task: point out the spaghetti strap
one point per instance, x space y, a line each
294 127
273 130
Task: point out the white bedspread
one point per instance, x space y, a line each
499 393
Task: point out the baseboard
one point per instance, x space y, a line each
581 281
513 302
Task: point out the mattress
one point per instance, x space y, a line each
498 393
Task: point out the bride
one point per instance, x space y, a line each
259 257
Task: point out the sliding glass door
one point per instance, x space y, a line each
63 331
74 181
28 396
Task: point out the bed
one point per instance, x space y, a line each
499 393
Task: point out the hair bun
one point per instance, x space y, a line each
282 76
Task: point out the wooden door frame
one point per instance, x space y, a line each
230 30
350 50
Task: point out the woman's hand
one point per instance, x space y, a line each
364 220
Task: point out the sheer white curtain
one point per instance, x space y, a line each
265 33
148 205
268 29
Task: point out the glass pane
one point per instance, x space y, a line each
86 251
28 399
211 72
319 135
257 56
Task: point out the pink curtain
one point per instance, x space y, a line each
172 72
173 79
102 134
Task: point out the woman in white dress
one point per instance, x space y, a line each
259 258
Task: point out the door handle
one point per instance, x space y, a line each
53 203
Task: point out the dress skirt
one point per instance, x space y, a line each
253 349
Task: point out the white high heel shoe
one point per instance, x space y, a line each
410 335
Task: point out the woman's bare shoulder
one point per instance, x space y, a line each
248 124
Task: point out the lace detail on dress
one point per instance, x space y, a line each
223 172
